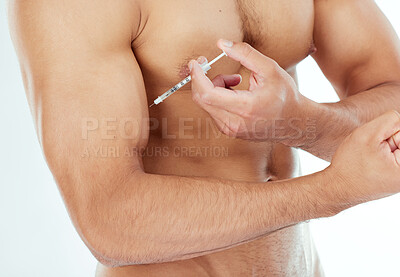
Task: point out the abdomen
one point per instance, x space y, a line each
184 141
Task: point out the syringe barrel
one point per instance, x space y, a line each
173 90
205 66
158 100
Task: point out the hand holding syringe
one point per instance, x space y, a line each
206 67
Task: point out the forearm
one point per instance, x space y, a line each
333 122
166 218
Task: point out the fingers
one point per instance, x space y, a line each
397 156
224 122
247 56
206 94
227 81
396 139
394 142
200 82
386 126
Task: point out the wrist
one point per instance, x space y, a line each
302 123
338 196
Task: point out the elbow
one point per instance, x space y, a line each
110 232
104 260
112 249
115 245
101 252
112 253
97 238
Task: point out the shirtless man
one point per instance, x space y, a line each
89 66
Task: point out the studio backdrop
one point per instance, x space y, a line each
37 238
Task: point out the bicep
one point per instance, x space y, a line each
357 48
87 94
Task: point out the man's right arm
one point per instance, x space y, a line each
77 64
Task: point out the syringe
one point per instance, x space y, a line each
206 67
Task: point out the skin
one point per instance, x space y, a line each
151 214
363 97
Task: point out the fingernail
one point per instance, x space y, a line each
227 43
201 60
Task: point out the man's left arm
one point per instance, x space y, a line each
359 52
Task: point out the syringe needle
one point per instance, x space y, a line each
151 105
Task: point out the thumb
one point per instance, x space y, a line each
199 78
201 85
386 126
247 56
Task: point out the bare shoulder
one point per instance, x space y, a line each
339 2
344 8
101 20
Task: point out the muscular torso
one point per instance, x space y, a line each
183 140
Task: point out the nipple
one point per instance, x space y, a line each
184 72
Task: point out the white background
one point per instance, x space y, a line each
38 239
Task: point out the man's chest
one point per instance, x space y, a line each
174 32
